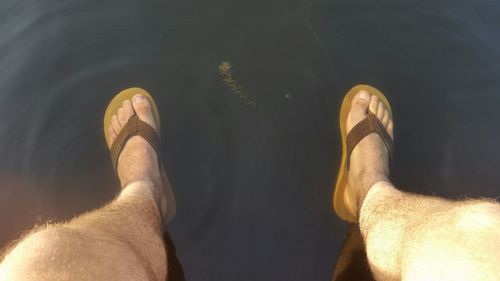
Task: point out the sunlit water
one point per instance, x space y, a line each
251 158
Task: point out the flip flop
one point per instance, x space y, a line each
136 127
369 125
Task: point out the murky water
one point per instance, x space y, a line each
252 169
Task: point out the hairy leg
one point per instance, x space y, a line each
121 241
415 237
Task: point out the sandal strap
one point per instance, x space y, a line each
134 127
369 125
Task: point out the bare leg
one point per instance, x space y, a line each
121 241
414 237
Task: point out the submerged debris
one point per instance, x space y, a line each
233 85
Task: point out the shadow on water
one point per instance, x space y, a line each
252 182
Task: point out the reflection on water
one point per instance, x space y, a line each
253 187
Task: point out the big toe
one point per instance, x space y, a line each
142 108
359 109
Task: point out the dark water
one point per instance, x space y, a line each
252 169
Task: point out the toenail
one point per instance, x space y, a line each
364 95
139 98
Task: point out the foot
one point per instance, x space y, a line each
138 161
369 162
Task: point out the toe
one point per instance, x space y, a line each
390 129
111 136
142 107
374 105
127 109
385 119
121 116
116 124
361 101
359 108
380 111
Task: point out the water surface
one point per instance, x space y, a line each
252 172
